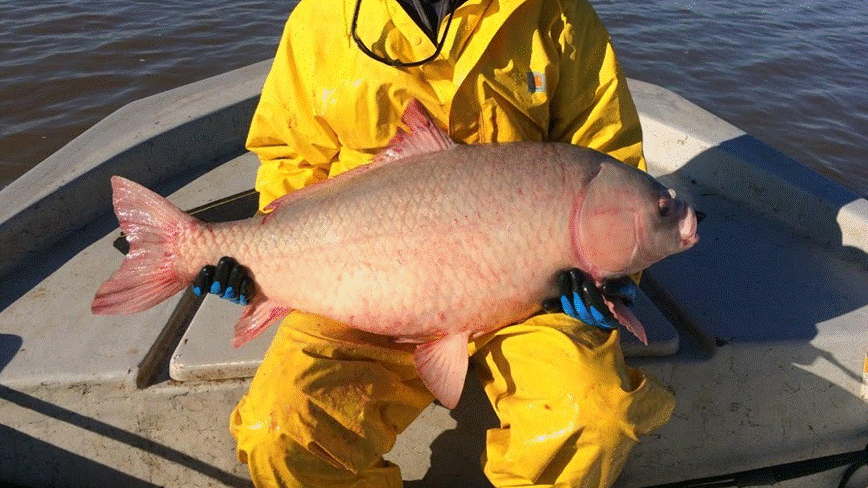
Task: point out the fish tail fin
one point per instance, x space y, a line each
147 275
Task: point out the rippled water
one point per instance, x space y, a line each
792 73
65 65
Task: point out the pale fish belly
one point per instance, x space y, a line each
461 240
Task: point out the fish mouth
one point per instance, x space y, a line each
687 228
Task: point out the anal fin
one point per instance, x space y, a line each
258 316
442 365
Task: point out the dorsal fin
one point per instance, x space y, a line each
422 136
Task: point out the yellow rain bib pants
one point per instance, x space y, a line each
328 401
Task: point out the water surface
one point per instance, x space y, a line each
792 73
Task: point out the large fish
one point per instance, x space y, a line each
432 243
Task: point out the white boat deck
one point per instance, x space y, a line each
770 308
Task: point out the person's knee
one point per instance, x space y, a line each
277 454
303 433
569 415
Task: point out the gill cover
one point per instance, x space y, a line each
627 221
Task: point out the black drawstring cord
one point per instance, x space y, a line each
394 62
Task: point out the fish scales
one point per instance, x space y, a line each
432 245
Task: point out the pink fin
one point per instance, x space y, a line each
258 316
147 275
627 318
423 136
442 365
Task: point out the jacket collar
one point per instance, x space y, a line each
383 21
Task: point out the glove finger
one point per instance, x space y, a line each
567 282
221 276
623 288
567 307
233 282
576 279
602 321
203 280
552 305
581 310
594 300
245 291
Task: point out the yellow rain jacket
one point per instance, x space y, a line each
328 401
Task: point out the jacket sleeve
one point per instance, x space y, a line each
592 105
294 145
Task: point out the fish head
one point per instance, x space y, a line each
626 221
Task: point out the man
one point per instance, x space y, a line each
328 401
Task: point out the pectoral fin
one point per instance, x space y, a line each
626 317
442 365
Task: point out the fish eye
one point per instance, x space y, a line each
665 206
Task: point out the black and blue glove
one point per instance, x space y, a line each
581 299
228 280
